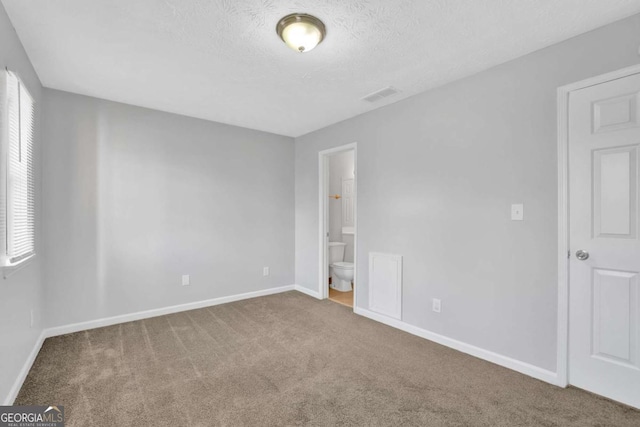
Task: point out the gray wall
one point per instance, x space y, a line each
341 167
436 176
134 198
22 291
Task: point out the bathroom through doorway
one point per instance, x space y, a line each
338 226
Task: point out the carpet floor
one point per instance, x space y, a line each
289 359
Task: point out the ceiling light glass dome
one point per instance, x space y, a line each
301 32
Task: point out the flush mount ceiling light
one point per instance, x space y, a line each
301 32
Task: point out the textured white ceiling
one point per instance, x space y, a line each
222 59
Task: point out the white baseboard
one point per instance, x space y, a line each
108 321
498 359
307 291
507 362
22 375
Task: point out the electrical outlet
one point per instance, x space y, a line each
517 212
436 305
265 271
186 280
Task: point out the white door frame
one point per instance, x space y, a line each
323 218
564 248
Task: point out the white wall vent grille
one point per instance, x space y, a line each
380 94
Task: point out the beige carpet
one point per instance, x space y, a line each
288 359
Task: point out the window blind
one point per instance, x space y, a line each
17 192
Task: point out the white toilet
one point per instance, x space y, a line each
341 271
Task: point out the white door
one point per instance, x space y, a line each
604 312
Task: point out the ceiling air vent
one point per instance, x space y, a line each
380 94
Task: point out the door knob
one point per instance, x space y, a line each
582 255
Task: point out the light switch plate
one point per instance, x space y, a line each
517 212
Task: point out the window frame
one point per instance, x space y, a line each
6 266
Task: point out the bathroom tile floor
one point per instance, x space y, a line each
344 298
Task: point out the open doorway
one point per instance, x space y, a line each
338 224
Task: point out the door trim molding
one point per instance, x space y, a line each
323 217
563 212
